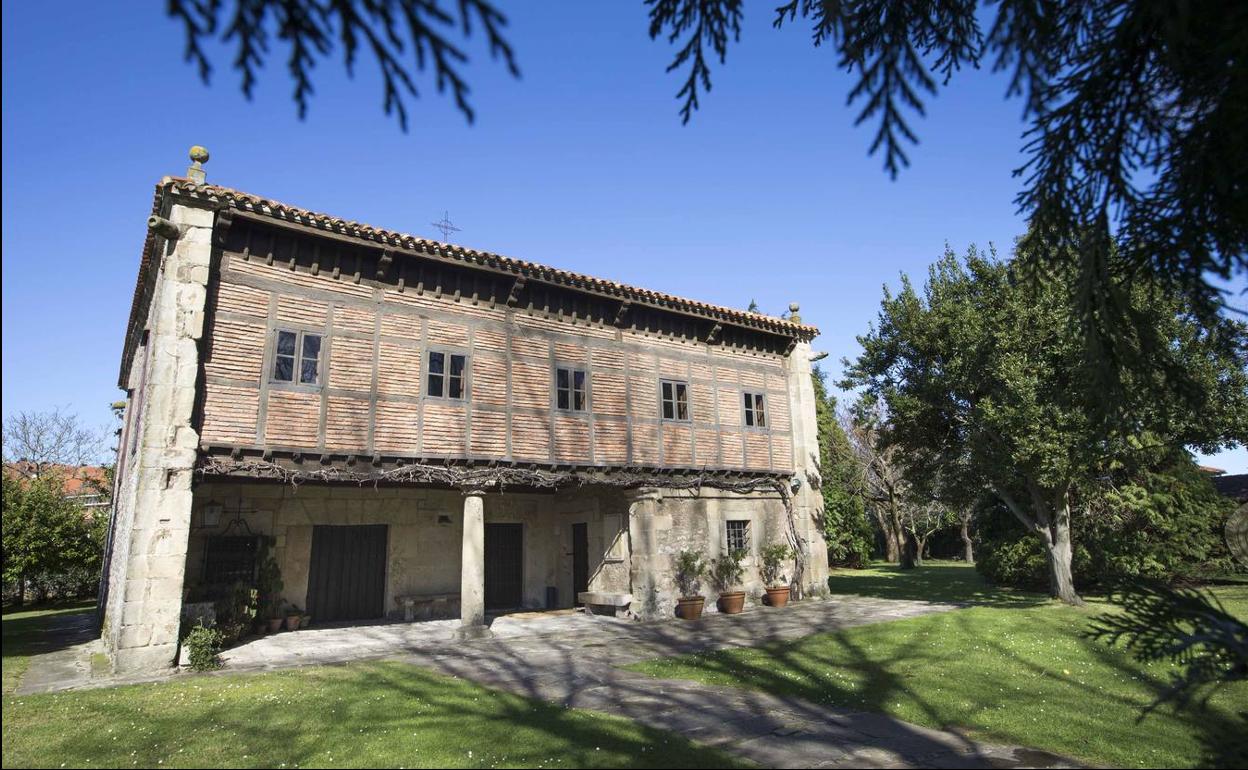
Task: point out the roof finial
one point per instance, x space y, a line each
199 156
793 316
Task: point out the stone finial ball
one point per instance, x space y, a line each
793 307
199 154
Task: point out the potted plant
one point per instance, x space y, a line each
726 571
774 581
276 618
293 617
690 568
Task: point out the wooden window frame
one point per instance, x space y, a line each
571 390
675 401
295 383
445 375
754 410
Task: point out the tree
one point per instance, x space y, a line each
875 474
39 441
964 518
985 384
922 519
1136 111
49 541
845 526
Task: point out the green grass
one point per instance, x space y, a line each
1014 669
23 631
359 715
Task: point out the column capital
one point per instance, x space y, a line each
474 490
638 494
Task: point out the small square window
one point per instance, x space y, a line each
755 411
675 398
297 352
447 375
570 390
738 535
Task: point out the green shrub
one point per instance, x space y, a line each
204 644
774 557
1159 524
690 568
726 570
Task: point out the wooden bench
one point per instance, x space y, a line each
428 606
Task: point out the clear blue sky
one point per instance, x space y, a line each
582 163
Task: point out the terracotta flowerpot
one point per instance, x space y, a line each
292 622
691 608
778 597
305 621
732 602
275 625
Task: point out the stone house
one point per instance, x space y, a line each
421 429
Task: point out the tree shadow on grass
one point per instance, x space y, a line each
933 582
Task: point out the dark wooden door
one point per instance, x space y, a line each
580 561
347 574
504 566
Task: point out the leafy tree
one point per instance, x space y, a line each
1160 521
1136 112
50 543
985 385
845 526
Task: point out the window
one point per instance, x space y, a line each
297 352
738 535
570 389
447 372
755 414
675 397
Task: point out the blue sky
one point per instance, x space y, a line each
768 194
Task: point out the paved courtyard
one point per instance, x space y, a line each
574 659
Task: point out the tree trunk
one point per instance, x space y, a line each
920 547
909 559
966 541
892 549
1058 549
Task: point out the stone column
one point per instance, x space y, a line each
807 498
649 567
472 569
153 507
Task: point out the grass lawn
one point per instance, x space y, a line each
23 630
359 715
1013 669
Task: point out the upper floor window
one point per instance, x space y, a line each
297 358
738 532
675 396
570 389
755 411
447 375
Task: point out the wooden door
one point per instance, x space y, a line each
504 566
580 561
347 574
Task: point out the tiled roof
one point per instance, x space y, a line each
219 196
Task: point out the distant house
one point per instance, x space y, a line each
1234 486
86 485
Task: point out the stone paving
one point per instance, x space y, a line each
575 660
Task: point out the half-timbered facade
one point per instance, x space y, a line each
422 429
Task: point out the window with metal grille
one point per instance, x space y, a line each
229 560
738 535
297 358
675 398
570 389
755 413
448 375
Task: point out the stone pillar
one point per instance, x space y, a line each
808 497
649 567
154 500
472 569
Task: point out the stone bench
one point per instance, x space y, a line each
428 606
605 602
